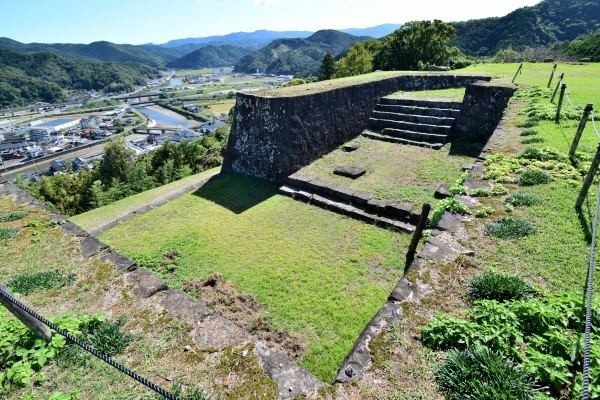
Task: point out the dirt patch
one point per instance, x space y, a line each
244 310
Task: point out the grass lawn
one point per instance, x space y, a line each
394 172
318 274
157 350
454 94
556 256
99 217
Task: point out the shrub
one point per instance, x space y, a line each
480 192
493 286
534 177
484 212
529 132
532 153
451 205
479 373
499 190
532 140
520 199
509 228
8 233
458 189
28 283
13 216
540 334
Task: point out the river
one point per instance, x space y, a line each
164 117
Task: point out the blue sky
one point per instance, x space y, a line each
157 21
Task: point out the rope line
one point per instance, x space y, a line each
132 374
588 305
569 98
593 113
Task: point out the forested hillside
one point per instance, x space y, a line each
151 55
546 23
210 56
587 46
296 56
27 78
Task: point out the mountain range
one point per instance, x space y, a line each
296 56
210 56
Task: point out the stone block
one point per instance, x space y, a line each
442 192
376 206
181 306
361 198
398 209
349 171
350 147
144 283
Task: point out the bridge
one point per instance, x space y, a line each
156 130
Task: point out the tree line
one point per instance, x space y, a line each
416 46
119 174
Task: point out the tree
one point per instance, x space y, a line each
115 163
327 70
358 61
416 45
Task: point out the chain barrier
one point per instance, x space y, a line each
569 99
132 374
588 305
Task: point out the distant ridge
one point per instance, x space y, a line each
297 56
210 56
251 40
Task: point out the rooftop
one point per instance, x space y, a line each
57 122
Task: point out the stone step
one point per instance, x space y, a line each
420 119
416 136
345 209
393 139
396 101
433 112
377 124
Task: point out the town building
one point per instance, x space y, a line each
58 124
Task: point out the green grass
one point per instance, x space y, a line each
394 172
318 274
98 217
454 94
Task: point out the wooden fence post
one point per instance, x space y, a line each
589 178
552 75
560 79
412 249
36 326
584 119
518 72
563 88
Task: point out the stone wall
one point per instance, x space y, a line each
483 106
273 137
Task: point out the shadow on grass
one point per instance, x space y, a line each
464 146
237 193
586 216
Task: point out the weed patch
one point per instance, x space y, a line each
520 199
13 216
484 212
480 192
534 177
531 140
28 283
479 373
529 132
509 228
450 205
541 335
494 286
8 233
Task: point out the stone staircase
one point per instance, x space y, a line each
355 204
425 123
